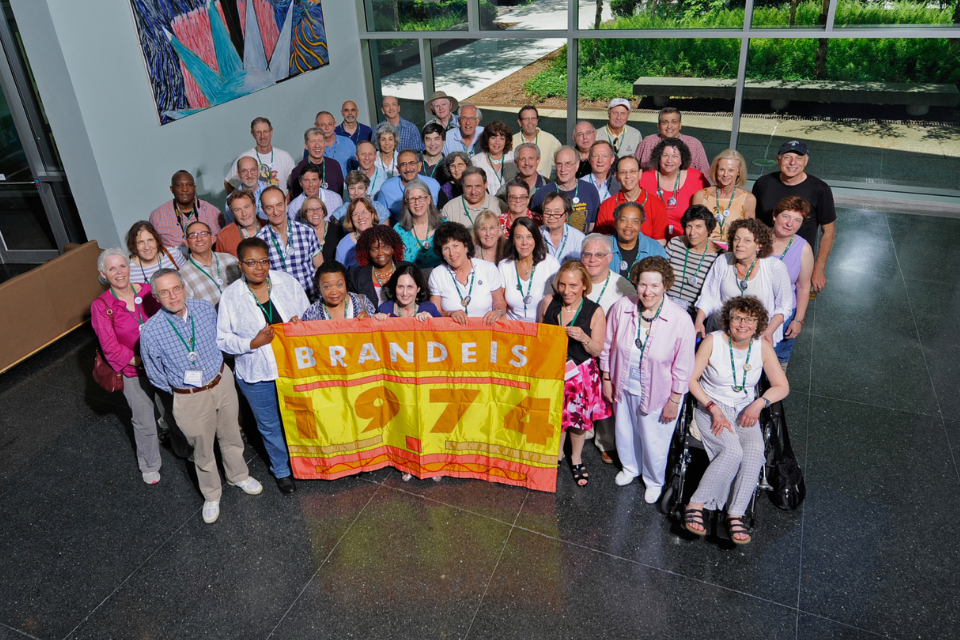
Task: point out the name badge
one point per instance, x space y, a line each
193 378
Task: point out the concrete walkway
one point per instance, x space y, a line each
472 68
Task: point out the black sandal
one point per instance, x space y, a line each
695 516
735 526
579 473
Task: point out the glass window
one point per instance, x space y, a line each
861 13
416 15
398 63
637 14
520 15
780 14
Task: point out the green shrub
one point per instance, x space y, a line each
623 8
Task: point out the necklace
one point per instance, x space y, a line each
425 243
499 173
722 215
142 271
642 344
376 275
693 281
267 314
398 310
743 283
464 299
527 298
746 367
219 279
789 244
672 202
575 316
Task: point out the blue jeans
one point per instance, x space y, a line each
785 347
262 397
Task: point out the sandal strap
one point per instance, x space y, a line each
735 525
694 516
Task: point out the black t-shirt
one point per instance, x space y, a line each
628 256
769 190
575 349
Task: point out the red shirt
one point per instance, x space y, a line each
694 182
654 219
230 236
505 221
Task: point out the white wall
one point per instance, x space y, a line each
90 72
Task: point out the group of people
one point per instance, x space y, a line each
637 247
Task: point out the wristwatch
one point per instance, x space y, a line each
766 403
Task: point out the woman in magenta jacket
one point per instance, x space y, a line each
647 360
117 316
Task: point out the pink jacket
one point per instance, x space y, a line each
668 361
119 331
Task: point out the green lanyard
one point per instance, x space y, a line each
283 258
642 344
464 299
789 244
527 298
573 322
346 309
463 201
622 198
605 283
193 338
733 367
267 314
435 167
743 283
722 217
219 280
137 307
672 202
563 242
693 278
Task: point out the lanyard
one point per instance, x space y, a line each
463 201
434 171
576 193
573 322
789 244
527 298
635 260
683 279
733 367
193 338
605 283
346 309
563 243
219 280
622 198
464 299
136 307
642 344
615 140
499 174
425 243
743 283
268 315
672 202
722 216
187 215
283 258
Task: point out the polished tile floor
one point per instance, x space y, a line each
88 551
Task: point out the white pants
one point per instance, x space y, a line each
642 440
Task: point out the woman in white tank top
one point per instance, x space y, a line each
725 375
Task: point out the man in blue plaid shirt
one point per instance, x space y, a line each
178 346
408 132
294 247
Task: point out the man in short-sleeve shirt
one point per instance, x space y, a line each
586 200
792 180
294 247
357 132
172 217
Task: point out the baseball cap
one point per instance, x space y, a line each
619 102
794 146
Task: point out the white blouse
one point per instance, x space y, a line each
239 320
485 279
536 287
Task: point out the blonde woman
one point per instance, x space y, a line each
487 235
727 199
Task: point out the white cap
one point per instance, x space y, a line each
619 102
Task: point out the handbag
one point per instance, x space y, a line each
789 488
103 374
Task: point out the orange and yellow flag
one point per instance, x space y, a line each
430 398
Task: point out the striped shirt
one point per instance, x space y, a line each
684 291
207 283
171 226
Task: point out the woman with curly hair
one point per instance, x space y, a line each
379 253
360 216
496 155
646 363
673 181
453 166
336 301
465 286
385 138
748 269
725 375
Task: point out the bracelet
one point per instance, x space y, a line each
709 406
798 321
673 401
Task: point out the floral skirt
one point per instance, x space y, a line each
583 401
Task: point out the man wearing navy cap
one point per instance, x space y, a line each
792 180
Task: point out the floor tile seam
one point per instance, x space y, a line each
496 566
326 559
926 364
657 569
873 405
18 631
134 572
456 506
841 623
874 271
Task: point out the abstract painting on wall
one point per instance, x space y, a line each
201 53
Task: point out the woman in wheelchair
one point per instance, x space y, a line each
725 375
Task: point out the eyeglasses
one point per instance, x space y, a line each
314 210
413 163
166 293
529 119
567 165
741 320
198 234
466 119
417 199
628 172
253 263
600 255
553 215
518 198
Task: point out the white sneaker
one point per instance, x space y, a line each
211 511
651 495
406 477
250 486
152 477
623 479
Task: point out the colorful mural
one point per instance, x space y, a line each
201 53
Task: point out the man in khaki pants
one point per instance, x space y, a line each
178 346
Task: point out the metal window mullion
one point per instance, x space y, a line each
741 75
426 68
473 18
831 15
573 66
909 32
370 59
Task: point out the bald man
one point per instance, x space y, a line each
350 128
